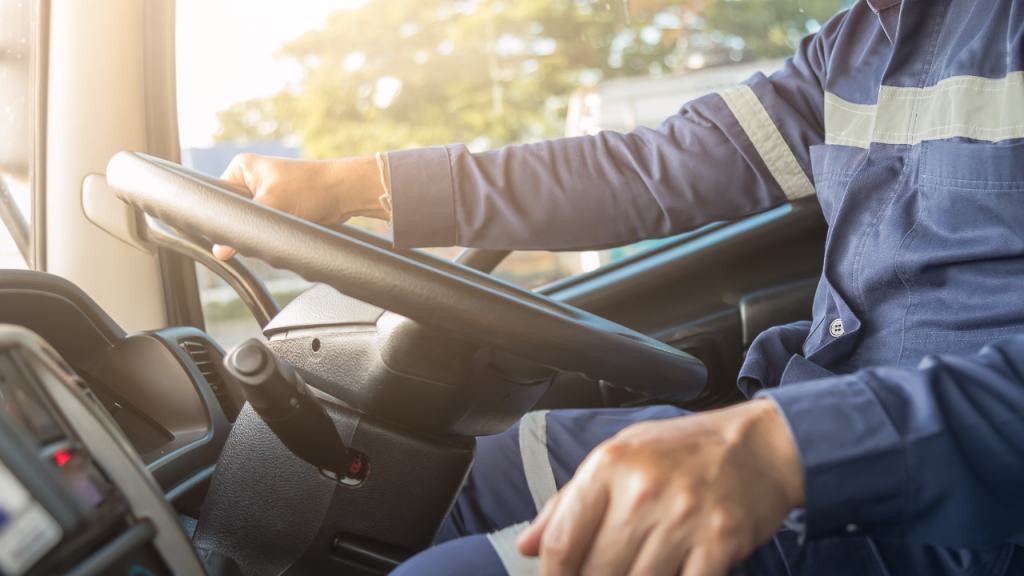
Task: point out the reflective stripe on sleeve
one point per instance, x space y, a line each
959 107
768 141
504 543
533 446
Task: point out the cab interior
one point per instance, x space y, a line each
411 355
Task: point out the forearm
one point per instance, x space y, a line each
582 193
724 156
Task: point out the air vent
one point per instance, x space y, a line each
207 364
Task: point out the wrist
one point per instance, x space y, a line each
356 186
763 428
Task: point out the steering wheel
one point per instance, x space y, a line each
445 296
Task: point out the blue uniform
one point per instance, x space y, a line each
906 120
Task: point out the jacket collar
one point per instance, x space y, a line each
888 12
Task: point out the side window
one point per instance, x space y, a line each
17 100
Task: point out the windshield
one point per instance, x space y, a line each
338 78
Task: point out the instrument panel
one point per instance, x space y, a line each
165 389
74 496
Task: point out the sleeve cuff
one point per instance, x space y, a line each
853 458
422 197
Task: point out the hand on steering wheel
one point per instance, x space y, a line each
326 192
444 296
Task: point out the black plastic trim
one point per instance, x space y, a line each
677 261
182 303
690 293
177 466
51 284
578 279
103 559
481 259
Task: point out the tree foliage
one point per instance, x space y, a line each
404 73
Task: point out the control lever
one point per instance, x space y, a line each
293 412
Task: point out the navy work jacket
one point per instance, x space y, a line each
905 393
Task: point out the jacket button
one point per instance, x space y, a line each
836 329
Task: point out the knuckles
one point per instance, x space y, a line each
724 525
611 453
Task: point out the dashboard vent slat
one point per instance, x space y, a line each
207 365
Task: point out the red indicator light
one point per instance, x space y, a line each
355 467
61 457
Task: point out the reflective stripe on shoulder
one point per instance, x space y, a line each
504 543
962 106
768 141
533 446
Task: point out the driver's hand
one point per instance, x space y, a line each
692 496
322 191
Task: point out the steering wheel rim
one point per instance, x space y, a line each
455 299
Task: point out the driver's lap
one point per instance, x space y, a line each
517 471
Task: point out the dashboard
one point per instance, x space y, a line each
104 436
166 390
74 497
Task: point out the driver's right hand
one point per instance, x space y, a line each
326 192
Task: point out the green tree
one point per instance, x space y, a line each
405 73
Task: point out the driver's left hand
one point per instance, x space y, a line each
691 495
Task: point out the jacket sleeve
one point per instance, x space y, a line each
932 455
723 156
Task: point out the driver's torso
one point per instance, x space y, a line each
921 179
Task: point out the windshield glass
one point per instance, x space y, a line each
338 78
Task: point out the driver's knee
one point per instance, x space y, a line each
468 556
496 493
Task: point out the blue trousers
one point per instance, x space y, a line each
517 471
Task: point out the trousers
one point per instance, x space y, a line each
518 470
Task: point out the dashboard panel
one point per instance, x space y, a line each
166 389
74 497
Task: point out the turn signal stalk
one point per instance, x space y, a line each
292 411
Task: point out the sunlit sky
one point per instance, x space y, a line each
226 54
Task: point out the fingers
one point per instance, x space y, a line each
622 534
570 532
223 252
238 170
708 561
235 173
662 554
528 541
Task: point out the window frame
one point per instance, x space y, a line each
34 252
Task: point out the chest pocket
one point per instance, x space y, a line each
963 260
833 167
